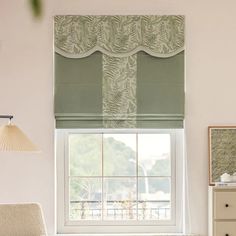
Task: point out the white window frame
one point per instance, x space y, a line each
175 225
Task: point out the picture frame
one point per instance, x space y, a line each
222 152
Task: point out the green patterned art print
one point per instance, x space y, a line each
222 152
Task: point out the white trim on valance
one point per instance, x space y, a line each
121 55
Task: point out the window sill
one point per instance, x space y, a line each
129 234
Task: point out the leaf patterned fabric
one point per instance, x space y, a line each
119 92
119 36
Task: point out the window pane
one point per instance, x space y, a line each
85 152
119 198
85 198
154 155
119 154
154 210
112 194
154 198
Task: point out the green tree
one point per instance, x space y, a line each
161 167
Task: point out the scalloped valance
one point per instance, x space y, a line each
119 36
119 71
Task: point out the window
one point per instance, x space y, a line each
119 180
119 111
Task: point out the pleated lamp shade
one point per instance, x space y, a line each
13 139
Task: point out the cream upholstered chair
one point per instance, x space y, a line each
21 220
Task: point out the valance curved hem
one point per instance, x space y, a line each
120 55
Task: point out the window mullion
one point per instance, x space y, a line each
137 189
102 197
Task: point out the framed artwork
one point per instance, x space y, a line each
222 152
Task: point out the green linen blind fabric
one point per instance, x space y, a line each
119 71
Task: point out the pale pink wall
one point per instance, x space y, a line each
26 83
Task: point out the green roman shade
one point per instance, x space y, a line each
78 91
119 71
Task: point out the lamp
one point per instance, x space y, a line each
13 139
